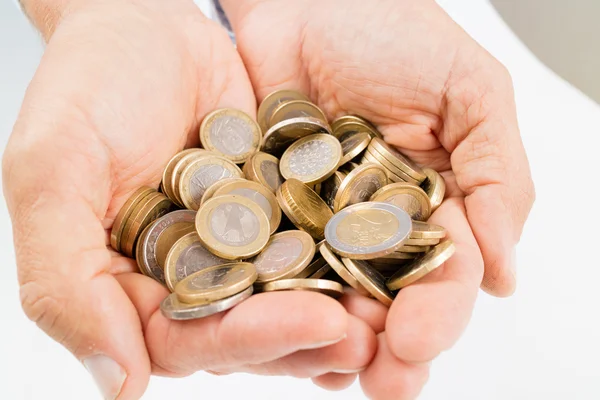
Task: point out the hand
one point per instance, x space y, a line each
121 88
442 100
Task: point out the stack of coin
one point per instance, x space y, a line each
256 229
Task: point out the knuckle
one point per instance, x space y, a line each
44 308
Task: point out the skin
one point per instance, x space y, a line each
123 86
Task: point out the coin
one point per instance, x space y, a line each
368 230
424 230
347 125
178 168
258 194
315 270
187 256
116 232
311 159
200 174
232 227
305 209
296 109
264 169
422 266
281 135
370 279
413 249
172 308
354 145
269 103
395 174
210 191
170 236
285 256
398 159
330 187
329 288
147 251
398 256
216 283
230 133
359 185
421 242
435 187
407 196
167 177
349 167
341 270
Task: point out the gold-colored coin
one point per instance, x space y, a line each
295 109
398 159
304 207
169 237
435 187
341 270
118 227
329 288
370 279
210 191
348 125
264 169
397 256
186 257
200 174
182 162
316 270
270 103
311 159
258 194
424 230
354 145
421 242
359 185
408 197
216 283
406 248
330 187
395 174
230 133
422 266
232 227
285 256
281 135
167 177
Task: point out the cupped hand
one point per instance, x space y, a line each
121 88
441 99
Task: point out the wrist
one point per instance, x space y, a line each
45 15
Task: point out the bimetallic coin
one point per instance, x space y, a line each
172 308
422 266
286 254
408 197
186 257
216 283
341 270
182 162
424 230
210 191
435 187
281 135
359 185
311 159
230 133
264 169
421 242
354 145
305 209
348 125
296 109
232 227
258 194
329 288
330 187
394 174
200 174
116 232
398 159
368 230
315 270
269 103
167 177
370 279
413 249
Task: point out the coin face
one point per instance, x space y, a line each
263 168
124 213
311 159
296 109
359 185
424 230
354 145
368 230
183 160
407 196
232 227
330 187
281 135
370 279
286 254
435 187
398 159
216 283
341 270
329 288
272 101
230 133
167 178
210 191
174 309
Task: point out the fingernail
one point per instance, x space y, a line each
108 375
348 371
324 344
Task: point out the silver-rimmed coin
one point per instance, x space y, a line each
281 135
370 279
272 101
311 159
174 309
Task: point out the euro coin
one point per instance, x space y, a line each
368 230
329 288
370 279
311 159
435 187
421 242
216 283
407 196
283 134
398 159
286 255
354 145
295 109
348 125
174 309
230 133
395 174
359 185
232 227
406 248
167 177
183 160
116 232
317 263
425 230
330 187
271 102
264 169
422 266
341 270
210 191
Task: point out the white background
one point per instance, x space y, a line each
542 343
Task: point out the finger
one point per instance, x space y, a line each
491 168
367 309
388 378
335 382
263 328
428 316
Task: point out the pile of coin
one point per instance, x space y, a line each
315 207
